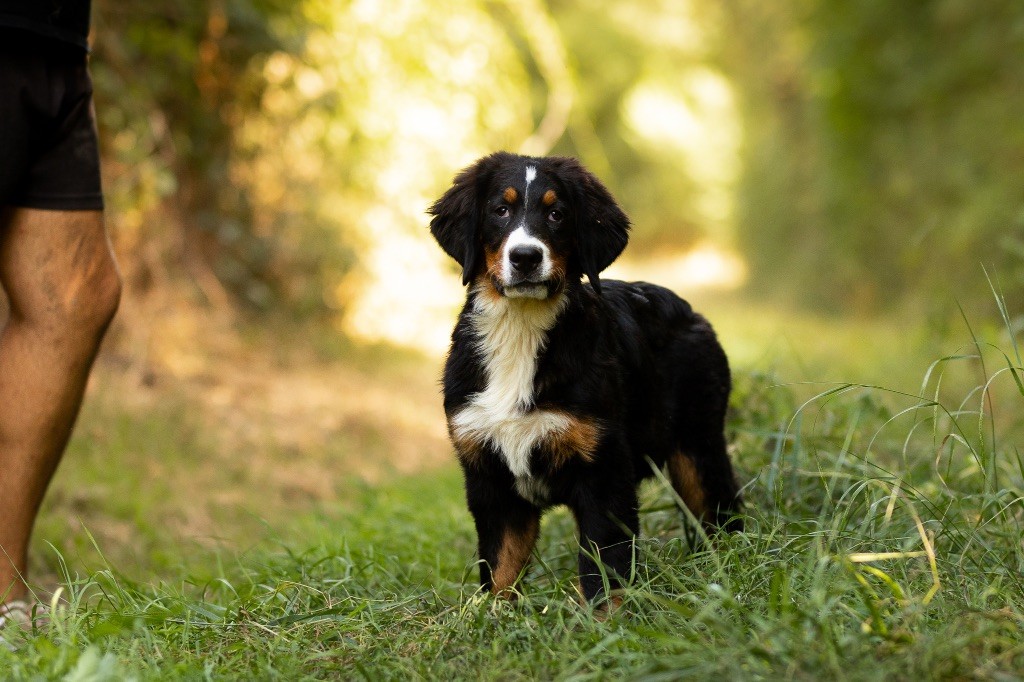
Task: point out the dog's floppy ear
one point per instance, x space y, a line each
456 221
602 229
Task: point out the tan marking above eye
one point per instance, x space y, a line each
510 195
549 197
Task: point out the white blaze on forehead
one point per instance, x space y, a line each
531 175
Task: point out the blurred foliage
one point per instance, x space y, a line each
884 156
281 154
265 151
172 84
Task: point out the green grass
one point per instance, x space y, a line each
883 540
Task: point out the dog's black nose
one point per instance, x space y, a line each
525 259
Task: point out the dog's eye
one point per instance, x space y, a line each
501 211
555 216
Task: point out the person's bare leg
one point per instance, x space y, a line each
59 274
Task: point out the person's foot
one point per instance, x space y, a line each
19 614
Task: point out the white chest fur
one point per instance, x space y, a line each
511 335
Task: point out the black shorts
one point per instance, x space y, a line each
49 158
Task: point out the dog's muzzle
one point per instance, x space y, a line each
526 273
526 268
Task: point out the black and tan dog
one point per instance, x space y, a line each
557 392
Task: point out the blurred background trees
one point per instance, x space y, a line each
884 148
278 156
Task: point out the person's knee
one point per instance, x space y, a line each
68 304
99 303
59 272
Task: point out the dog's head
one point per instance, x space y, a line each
529 225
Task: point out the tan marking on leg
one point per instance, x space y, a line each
578 440
467 449
513 556
687 483
510 195
608 607
549 197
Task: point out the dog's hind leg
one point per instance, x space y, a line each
688 484
699 466
703 477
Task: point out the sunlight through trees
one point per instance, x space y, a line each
279 156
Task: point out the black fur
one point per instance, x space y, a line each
454 225
632 358
601 226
